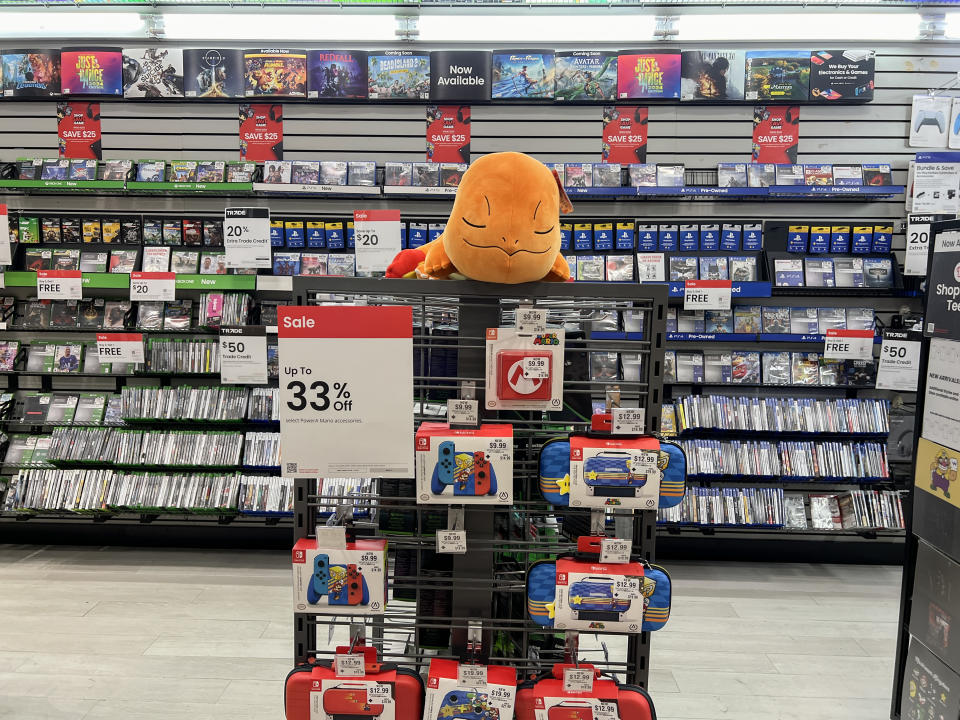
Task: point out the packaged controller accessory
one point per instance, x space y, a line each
524 372
469 473
339 577
454 696
464 465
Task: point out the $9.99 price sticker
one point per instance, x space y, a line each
346 387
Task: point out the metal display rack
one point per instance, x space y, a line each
436 601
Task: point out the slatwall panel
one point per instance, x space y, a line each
697 135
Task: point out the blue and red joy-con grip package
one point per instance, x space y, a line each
315 690
346 580
545 699
592 598
609 476
464 466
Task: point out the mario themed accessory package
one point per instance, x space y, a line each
454 694
524 372
548 698
339 578
464 466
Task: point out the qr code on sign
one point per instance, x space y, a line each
291 467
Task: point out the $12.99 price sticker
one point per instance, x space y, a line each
346 387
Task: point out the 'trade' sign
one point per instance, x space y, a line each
346 388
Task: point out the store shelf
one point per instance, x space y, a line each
115 281
370 191
756 289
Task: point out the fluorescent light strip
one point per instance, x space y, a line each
534 28
70 24
288 28
809 26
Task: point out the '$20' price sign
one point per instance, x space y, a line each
346 387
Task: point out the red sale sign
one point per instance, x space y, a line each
78 130
261 131
776 133
624 134
448 133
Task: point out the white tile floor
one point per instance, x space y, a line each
109 633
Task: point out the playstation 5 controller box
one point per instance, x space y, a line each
464 466
459 691
335 577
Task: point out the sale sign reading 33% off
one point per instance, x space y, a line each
346 388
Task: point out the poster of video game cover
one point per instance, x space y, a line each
448 133
648 75
586 76
261 131
152 72
337 74
275 72
931 690
522 74
778 75
78 130
624 134
213 73
29 73
776 133
91 71
842 75
398 74
715 75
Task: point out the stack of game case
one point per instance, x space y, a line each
778 368
181 355
208 403
64 407
216 309
265 495
857 510
201 492
112 446
788 459
261 450
423 174
263 405
808 415
758 507
352 492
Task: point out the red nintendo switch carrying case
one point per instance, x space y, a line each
346 699
632 701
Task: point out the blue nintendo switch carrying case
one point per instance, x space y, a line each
596 594
610 471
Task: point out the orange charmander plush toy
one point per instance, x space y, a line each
504 227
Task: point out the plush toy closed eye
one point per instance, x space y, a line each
504 227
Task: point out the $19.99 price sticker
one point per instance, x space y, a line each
346 387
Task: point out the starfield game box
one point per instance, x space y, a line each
213 73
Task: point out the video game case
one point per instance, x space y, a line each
761 174
642 174
398 173
362 172
732 175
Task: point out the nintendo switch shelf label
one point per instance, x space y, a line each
577 680
452 542
346 388
153 286
120 347
349 665
59 285
628 421
463 412
376 237
243 355
707 294
246 237
848 344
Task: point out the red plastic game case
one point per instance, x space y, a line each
545 699
345 699
511 383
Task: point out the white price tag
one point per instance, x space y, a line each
243 355
246 237
5 254
352 665
376 238
917 244
626 587
501 696
379 694
628 421
471 675
531 321
605 711
899 367
346 387
120 347
848 345
614 550
536 368
59 285
452 542
463 412
577 680
707 294
153 286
